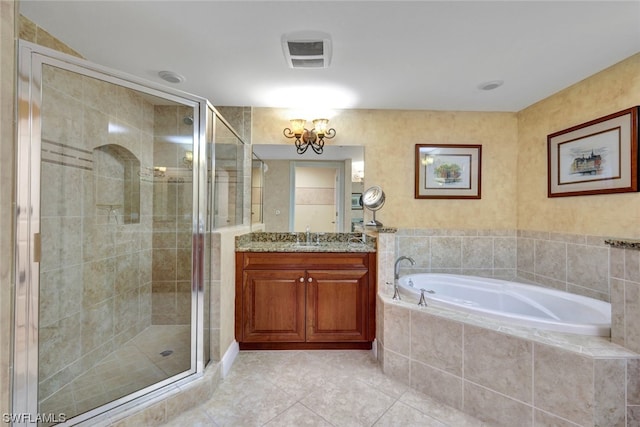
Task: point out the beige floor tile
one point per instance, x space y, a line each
348 402
301 375
406 416
317 388
196 417
298 415
247 401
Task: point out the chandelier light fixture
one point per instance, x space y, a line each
313 138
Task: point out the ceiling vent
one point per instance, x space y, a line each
307 49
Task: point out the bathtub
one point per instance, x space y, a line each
515 303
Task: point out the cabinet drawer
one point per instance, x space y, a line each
307 260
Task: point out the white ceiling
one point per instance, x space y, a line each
386 54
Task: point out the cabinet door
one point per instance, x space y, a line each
273 305
337 305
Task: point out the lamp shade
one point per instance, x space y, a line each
321 125
297 126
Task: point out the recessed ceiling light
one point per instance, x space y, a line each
171 77
493 84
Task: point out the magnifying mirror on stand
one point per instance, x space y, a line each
373 199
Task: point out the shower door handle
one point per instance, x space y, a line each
37 248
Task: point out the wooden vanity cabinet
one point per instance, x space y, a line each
297 300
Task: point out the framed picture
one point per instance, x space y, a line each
355 201
597 157
448 171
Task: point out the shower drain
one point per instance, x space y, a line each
166 353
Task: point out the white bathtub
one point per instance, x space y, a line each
515 303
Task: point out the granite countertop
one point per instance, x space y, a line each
296 242
623 243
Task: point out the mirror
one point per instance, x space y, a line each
292 191
373 199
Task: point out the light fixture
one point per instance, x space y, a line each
171 77
493 84
313 138
159 171
188 159
427 160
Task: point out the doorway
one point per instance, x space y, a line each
317 194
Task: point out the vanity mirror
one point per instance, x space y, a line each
373 199
307 190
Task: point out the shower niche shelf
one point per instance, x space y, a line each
117 181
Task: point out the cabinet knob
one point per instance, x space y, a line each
302 279
309 280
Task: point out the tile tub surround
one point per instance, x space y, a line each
594 266
624 271
569 262
507 375
486 253
581 264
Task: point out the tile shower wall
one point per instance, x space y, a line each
95 286
172 217
233 166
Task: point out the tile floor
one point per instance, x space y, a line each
316 388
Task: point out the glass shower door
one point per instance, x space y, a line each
116 307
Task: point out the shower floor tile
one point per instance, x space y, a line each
316 388
135 365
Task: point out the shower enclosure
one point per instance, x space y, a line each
114 213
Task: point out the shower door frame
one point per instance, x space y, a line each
31 59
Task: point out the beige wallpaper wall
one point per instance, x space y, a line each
514 162
389 138
614 89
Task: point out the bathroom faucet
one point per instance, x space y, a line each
396 291
423 301
396 269
308 231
